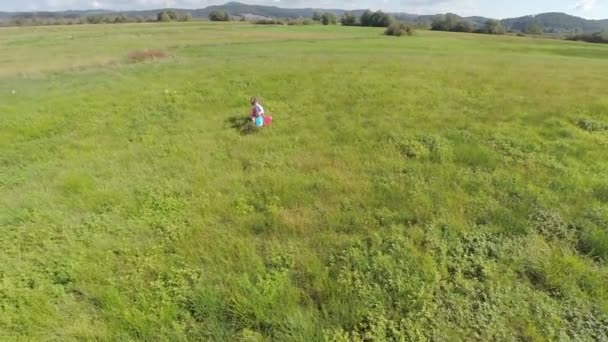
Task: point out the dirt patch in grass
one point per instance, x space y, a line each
147 55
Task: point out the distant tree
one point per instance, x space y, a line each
317 16
381 19
577 31
173 15
163 17
440 24
348 19
366 18
387 20
463 26
94 19
534 27
120 19
452 22
399 29
493 26
270 22
219 16
329 19
185 17
376 19
424 24
598 37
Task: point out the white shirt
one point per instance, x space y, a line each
257 110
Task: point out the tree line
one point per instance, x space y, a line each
369 19
454 23
597 37
326 18
109 18
449 22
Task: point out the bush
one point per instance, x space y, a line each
593 241
294 22
399 29
592 236
145 55
551 225
426 147
269 22
413 149
591 125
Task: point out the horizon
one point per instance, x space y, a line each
588 9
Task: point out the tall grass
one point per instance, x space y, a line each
439 187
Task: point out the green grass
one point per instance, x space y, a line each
436 187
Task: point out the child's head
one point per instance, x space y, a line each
254 100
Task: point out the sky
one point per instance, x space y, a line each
592 9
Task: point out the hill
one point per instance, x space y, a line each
233 8
551 22
238 9
556 22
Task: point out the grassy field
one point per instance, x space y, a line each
439 187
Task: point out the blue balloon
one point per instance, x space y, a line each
259 121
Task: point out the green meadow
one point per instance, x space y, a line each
440 187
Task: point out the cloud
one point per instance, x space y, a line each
463 7
418 6
585 5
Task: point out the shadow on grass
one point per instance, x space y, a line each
242 124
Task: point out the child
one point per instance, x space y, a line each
256 109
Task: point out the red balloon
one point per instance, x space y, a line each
267 120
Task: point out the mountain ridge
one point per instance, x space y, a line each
550 21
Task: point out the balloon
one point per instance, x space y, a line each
259 121
267 120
